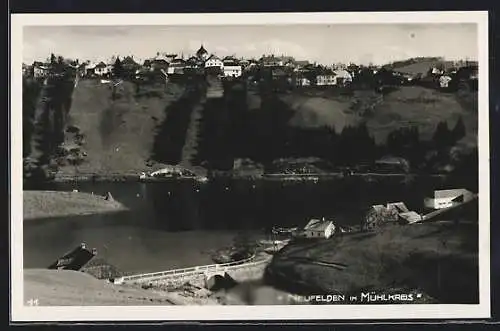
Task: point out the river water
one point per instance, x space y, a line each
176 224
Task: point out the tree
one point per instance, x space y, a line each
364 78
442 135
244 245
118 68
58 64
459 130
52 58
405 142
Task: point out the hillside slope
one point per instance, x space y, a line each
116 136
406 106
424 257
73 288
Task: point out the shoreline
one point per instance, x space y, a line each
41 204
265 177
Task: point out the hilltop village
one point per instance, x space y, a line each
286 70
312 118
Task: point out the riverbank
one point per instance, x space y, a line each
422 257
134 177
45 204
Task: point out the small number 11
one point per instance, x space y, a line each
33 302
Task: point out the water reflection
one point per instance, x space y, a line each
176 224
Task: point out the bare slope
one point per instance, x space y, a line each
73 288
118 134
42 204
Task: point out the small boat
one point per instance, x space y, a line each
172 173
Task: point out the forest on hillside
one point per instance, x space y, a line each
46 103
230 130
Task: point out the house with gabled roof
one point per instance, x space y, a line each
231 67
40 69
193 62
448 198
176 66
160 61
101 69
214 61
342 77
317 228
326 77
400 207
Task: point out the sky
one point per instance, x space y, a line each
325 44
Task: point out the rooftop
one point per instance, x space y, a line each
317 225
201 51
378 208
451 193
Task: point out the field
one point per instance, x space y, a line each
118 134
422 67
409 105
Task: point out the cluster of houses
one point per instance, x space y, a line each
283 69
394 212
443 73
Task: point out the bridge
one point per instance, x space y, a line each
247 269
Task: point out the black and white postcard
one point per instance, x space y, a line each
250 166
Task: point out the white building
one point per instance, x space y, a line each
40 70
444 81
342 77
436 71
319 229
232 70
448 198
214 61
102 69
176 67
326 80
302 81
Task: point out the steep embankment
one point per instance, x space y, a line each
114 136
439 259
43 204
73 288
